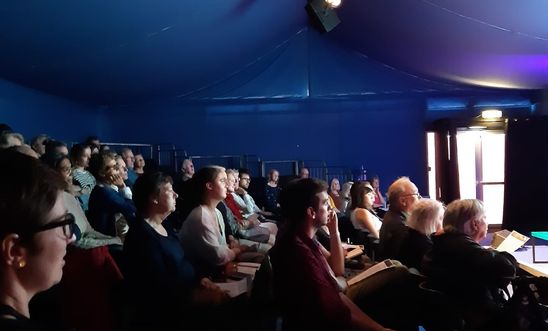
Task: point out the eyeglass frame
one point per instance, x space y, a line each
68 219
419 196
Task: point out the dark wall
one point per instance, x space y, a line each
387 138
31 112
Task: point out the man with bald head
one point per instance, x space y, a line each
402 196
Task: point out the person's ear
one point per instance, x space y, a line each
310 212
209 186
13 254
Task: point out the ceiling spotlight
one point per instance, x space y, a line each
322 13
491 114
333 3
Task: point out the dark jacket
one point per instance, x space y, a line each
469 273
392 234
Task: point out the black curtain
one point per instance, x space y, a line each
526 175
447 167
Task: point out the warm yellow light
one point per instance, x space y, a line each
491 113
333 3
477 127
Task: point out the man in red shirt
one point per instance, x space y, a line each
304 271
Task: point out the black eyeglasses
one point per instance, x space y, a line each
66 222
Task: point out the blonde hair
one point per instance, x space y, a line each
459 212
425 216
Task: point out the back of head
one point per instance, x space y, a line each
425 216
459 212
9 139
28 192
297 197
147 185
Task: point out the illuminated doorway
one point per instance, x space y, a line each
481 168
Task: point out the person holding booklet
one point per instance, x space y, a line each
472 276
304 272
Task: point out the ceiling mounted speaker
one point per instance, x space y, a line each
322 15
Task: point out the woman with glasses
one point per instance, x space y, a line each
91 271
362 215
162 282
35 230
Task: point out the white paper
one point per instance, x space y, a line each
386 264
505 241
234 288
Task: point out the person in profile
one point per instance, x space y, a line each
35 230
304 172
402 196
304 272
469 274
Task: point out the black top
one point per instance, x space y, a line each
460 267
413 248
11 320
392 234
159 276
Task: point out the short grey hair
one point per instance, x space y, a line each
459 212
424 216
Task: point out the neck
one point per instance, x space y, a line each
211 204
15 296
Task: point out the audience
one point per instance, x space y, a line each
335 194
203 231
308 294
111 209
9 139
272 191
472 276
362 216
187 170
304 173
38 144
129 159
379 201
425 219
402 196
162 282
82 178
35 230
139 165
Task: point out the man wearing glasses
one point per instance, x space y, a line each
402 196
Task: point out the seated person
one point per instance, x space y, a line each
379 201
425 219
35 231
468 273
162 282
83 179
362 215
203 232
304 272
88 238
110 198
334 193
402 195
272 191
